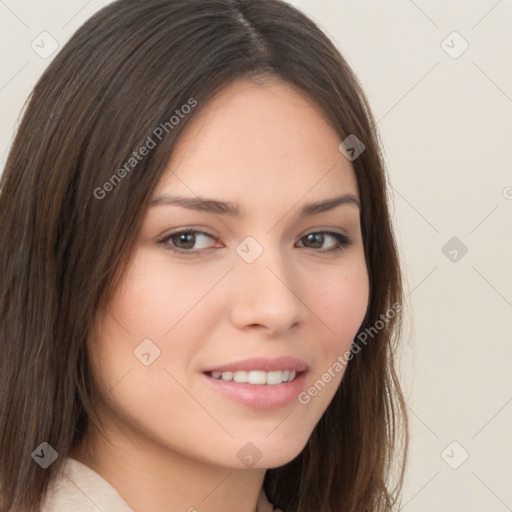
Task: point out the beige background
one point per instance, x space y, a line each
445 119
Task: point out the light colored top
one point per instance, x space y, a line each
78 488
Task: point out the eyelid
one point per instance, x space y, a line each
338 231
188 229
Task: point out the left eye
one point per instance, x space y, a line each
184 241
341 240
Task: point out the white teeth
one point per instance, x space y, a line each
240 377
256 376
275 377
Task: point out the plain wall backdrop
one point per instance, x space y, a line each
439 80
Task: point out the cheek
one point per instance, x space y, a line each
158 295
341 304
168 304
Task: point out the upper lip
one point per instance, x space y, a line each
262 364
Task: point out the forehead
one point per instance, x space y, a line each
265 141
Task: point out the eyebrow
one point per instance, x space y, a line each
229 208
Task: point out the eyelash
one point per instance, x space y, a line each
343 241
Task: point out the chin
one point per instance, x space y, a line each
273 453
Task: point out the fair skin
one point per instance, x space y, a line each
173 438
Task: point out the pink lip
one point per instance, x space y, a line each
262 364
260 396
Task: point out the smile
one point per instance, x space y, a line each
258 389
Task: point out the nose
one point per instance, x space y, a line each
267 294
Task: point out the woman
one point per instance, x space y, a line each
200 286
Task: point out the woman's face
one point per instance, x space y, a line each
259 285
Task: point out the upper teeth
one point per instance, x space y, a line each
257 377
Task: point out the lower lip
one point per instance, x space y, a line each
260 396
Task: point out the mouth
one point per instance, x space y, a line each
259 383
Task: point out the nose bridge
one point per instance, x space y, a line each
266 286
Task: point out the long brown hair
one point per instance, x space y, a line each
63 247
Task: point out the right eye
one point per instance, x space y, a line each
184 240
